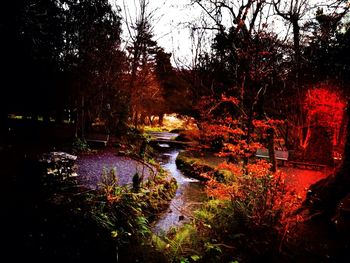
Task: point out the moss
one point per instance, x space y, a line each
159 194
193 167
153 129
223 176
188 136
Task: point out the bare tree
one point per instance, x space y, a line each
293 11
242 33
244 18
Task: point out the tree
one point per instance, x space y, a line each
176 91
32 33
245 60
293 11
59 52
91 57
236 39
141 52
326 49
308 65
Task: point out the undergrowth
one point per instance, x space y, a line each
248 217
126 213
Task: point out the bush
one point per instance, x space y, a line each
80 145
255 211
247 217
125 214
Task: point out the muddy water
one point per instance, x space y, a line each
190 194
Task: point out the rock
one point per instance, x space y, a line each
57 157
59 165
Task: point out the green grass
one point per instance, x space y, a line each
154 129
195 160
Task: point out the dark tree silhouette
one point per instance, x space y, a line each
57 54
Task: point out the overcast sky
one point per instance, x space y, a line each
170 27
171 20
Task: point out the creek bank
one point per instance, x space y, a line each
200 168
80 220
193 167
189 195
157 188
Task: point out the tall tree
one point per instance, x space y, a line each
293 11
57 52
91 56
236 39
326 47
142 52
32 33
246 58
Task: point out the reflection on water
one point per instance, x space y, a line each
188 196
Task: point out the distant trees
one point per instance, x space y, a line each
154 85
66 54
64 57
328 46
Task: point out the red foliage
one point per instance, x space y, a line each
224 128
263 194
231 187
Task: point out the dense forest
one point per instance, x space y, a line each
113 149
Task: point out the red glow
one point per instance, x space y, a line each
299 180
324 107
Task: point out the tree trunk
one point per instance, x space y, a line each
296 43
249 128
136 119
271 148
161 118
150 118
82 118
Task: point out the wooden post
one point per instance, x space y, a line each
82 118
271 148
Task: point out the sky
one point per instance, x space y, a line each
171 25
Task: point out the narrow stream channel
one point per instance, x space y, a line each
189 195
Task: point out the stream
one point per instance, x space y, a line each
190 192
189 195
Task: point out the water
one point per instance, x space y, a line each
189 195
